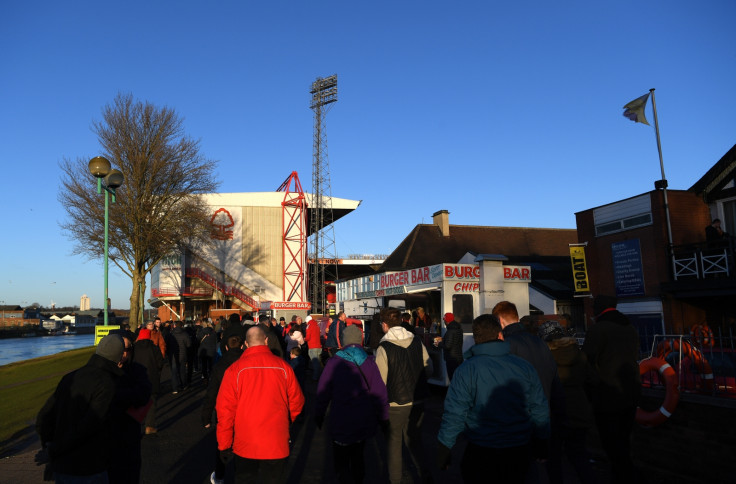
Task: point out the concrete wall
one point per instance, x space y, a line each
262 242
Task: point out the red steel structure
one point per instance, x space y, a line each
293 222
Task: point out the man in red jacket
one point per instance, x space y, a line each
258 391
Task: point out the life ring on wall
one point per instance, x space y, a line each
672 395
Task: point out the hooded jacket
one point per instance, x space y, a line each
398 376
496 399
258 400
352 384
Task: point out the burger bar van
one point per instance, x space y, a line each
465 290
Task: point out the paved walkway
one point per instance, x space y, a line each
183 452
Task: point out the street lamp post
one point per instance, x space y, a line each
100 168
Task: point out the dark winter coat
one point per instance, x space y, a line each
210 398
75 422
147 354
612 348
575 375
273 341
333 335
452 342
207 342
352 385
534 350
495 399
133 390
178 344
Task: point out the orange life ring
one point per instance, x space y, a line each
672 395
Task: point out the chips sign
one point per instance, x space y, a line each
579 270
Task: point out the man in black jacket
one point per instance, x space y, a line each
612 348
131 401
452 343
404 365
147 354
234 338
74 423
178 345
534 350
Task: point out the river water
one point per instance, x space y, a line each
20 349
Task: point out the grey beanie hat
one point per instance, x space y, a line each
352 336
550 330
111 348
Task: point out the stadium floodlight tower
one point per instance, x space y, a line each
324 93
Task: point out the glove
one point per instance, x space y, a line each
444 456
319 420
226 456
384 426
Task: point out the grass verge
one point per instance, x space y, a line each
25 386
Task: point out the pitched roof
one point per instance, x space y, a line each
719 175
546 251
426 246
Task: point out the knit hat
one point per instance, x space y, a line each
449 317
111 348
550 330
351 336
309 318
144 334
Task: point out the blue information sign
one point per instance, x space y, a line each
627 269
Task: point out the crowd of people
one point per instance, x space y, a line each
523 400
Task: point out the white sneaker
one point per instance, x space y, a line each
214 480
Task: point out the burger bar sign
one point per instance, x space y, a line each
466 275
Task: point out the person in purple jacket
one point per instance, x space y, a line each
352 382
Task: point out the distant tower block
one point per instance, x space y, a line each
84 303
324 93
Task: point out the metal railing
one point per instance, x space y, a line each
707 369
703 260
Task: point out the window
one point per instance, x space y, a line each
624 215
462 308
728 224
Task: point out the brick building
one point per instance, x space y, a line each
663 288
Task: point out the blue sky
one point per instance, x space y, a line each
503 113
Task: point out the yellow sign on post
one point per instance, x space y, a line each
102 331
579 269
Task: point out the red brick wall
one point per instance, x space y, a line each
689 215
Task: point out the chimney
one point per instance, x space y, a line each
442 220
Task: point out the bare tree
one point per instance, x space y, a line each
158 209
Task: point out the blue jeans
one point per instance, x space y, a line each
315 363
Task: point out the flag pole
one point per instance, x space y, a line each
663 183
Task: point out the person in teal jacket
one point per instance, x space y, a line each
496 399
